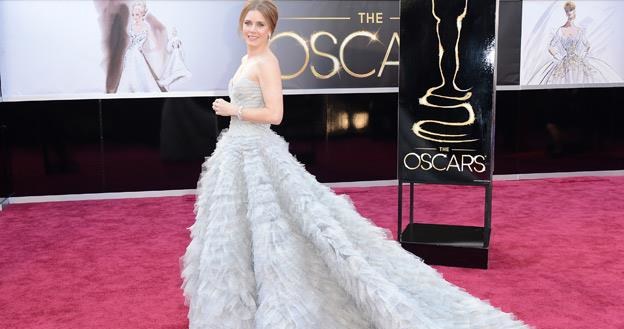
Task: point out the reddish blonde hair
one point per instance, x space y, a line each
266 7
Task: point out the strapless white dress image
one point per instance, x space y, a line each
175 66
272 248
137 75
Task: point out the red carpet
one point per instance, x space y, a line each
556 258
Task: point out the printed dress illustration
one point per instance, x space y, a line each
140 57
572 63
568 57
175 68
137 75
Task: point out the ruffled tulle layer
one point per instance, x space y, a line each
272 248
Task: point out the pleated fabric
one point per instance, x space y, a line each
272 248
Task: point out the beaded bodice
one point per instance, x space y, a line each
248 94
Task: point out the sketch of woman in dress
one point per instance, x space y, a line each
137 74
134 42
175 68
571 61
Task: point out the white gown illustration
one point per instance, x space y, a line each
272 248
572 63
137 75
175 68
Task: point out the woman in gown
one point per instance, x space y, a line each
272 248
137 74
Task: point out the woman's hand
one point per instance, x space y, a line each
224 108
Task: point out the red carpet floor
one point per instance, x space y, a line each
556 259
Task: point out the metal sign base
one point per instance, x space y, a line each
442 244
449 245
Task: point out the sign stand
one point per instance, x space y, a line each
441 244
5 165
446 120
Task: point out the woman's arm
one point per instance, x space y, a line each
269 77
553 46
585 42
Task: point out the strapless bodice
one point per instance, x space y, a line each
137 39
572 45
248 94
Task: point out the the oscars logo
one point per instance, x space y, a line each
447 96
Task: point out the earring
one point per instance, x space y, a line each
269 36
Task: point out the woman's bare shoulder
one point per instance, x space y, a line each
268 62
267 58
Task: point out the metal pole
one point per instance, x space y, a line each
400 211
487 225
411 203
6 163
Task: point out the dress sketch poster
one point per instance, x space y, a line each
446 90
164 48
572 43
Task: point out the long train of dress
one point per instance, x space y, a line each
273 248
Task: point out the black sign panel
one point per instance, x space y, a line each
446 90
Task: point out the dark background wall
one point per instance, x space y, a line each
90 146
155 144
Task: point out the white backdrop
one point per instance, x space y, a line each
48 48
59 49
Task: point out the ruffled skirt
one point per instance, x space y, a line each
271 248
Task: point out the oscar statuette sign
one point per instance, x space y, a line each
446 91
446 114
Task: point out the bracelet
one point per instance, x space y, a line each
239 114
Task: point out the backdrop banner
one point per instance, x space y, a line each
165 48
572 43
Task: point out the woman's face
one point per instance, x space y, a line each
137 13
571 14
255 29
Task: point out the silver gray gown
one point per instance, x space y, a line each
272 248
